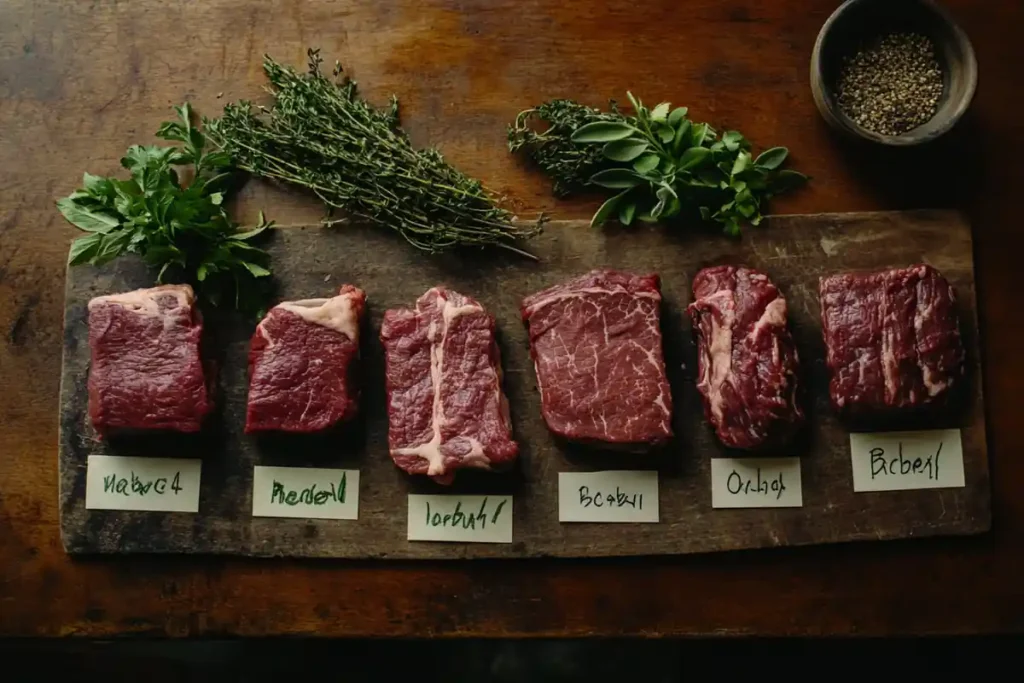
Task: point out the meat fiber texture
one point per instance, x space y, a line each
303 364
446 407
747 362
596 346
893 342
146 370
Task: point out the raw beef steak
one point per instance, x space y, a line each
596 346
146 371
446 407
747 363
893 341
303 362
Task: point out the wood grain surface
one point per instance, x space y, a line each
81 81
312 261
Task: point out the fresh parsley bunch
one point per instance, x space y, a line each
178 226
661 163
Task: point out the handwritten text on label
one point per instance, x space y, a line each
756 483
894 461
463 519
306 492
610 496
158 484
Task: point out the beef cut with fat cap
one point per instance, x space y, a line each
446 407
893 342
596 346
303 364
146 370
747 362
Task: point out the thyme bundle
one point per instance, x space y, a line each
321 135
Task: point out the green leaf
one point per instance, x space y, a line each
249 234
660 113
645 216
785 180
216 160
665 133
245 247
693 157
112 246
626 213
86 219
733 140
682 136
603 131
664 194
697 134
201 272
732 226
139 156
741 163
646 163
672 207
256 269
216 198
616 178
84 249
98 186
624 150
709 177
677 115
772 158
637 106
606 210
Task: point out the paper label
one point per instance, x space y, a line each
895 461
114 482
756 483
460 519
611 496
306 492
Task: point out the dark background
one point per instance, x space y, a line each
422 661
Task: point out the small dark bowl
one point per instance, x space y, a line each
857 21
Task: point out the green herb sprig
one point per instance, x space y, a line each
661 164
321 135
179 228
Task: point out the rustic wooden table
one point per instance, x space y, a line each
81 81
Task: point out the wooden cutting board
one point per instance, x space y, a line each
312 261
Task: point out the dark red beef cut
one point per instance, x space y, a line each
893 341
596 346
303 362
146 370
446 406
747 362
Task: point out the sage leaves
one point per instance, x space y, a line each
624 150
603 131
661 164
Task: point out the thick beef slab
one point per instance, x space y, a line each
596 345
146 371
446 407
893 341
747 362
303 362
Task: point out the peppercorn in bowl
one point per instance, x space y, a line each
894 73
